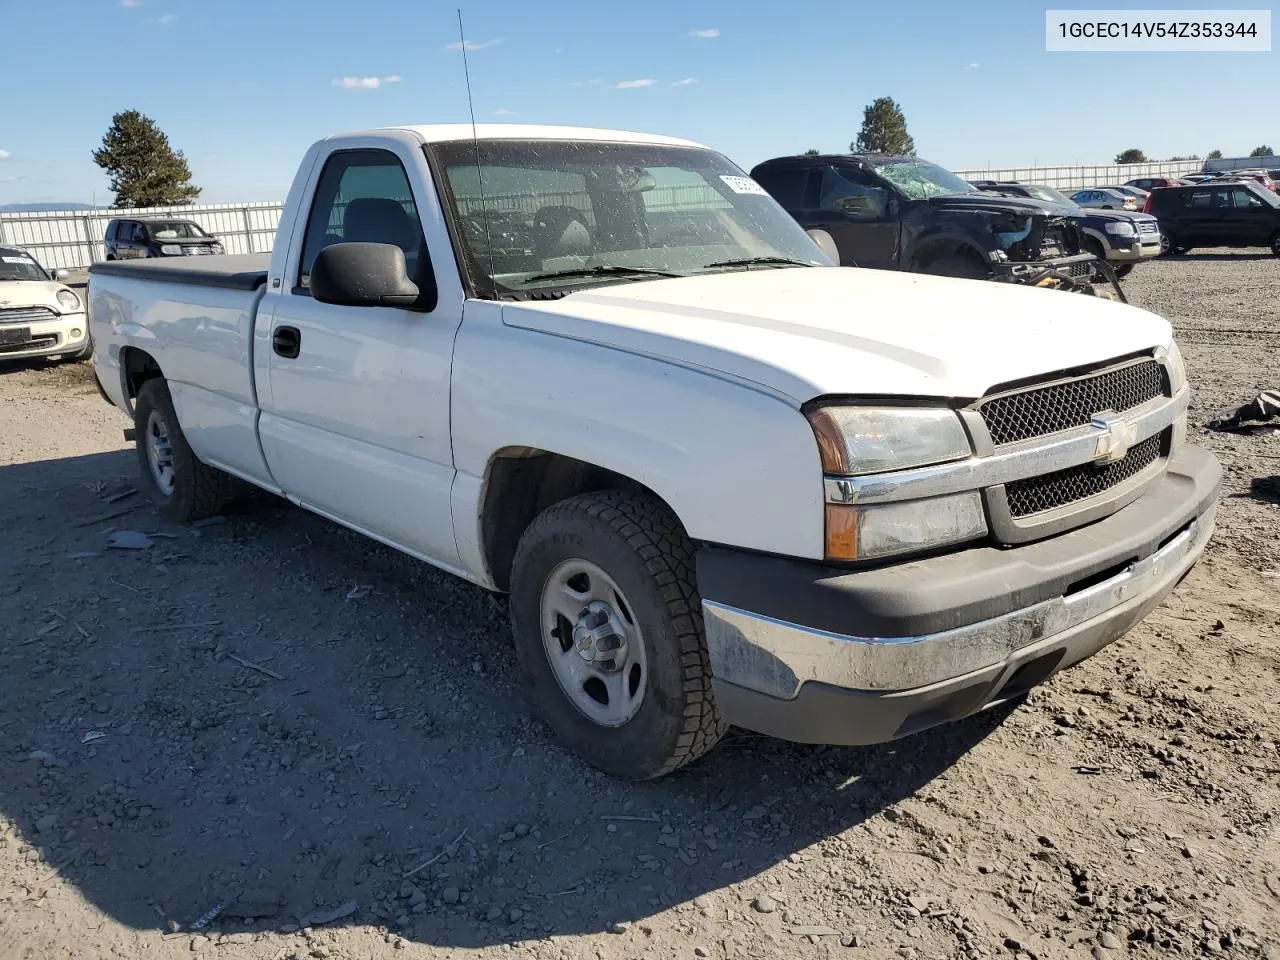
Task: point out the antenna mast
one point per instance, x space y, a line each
475 140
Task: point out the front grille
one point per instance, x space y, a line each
1147 226
1072 403
1079 269
26 314
1038 494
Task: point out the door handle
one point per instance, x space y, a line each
286 341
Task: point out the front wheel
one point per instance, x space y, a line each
608 629
1275 244
1123 270
182 487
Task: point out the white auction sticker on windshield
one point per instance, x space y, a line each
744 185
23 260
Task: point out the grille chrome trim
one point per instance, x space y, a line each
26 315
1011 462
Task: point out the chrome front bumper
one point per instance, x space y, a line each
775 658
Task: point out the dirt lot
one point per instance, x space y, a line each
274 718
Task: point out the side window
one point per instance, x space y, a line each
1243 198
1200 200
111 231
852 193
785 184
363 196
138 233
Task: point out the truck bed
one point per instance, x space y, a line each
246 271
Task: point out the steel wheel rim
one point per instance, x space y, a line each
159 452
593 643
1165 245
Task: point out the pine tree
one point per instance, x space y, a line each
812 152
145 170
1213 155
1132 155
884 130
1263 151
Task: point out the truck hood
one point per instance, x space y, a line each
806 332
997 203
32 293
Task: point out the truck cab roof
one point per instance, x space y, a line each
443 132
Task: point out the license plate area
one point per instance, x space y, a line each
11 335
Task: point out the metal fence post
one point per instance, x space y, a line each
248 230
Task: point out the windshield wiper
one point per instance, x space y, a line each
763 261
604 271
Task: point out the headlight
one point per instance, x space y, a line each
69 301
1120 229
911 526
171 250
1177 369
856 440
217 248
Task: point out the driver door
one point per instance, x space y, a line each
861 214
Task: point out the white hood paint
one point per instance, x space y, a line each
34 293
808 332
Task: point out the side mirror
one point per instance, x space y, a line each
61 274
367 275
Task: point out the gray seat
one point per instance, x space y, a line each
381 220
561 231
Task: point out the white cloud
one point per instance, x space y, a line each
365 83
474 44
973 66
5 154
130 4
502 112
687 81
708 34
633 84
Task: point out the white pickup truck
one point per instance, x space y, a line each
722 480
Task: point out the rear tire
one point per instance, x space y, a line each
183 488
646 708
1275 244
1123 270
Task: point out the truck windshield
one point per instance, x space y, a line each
174 230
538 215
15 265
1049 195
920 179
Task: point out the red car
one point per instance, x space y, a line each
1149 183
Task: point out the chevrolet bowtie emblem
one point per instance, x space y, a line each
1117 437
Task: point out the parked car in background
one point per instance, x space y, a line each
1104 199
128 239
1150 183
1137 193
1216 214
904 213
1197 177
950 491
40 316
1260 177
1120 238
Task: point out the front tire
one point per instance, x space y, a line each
1275 244
183 488
607 622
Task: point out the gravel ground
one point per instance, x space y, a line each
267 737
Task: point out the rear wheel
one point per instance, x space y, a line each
182 487
1169 245
1275 244
607 623
1123 270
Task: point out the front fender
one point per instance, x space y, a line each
738 466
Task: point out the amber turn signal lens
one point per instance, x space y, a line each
842 532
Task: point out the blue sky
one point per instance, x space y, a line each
243 87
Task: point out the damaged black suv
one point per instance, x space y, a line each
904 213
